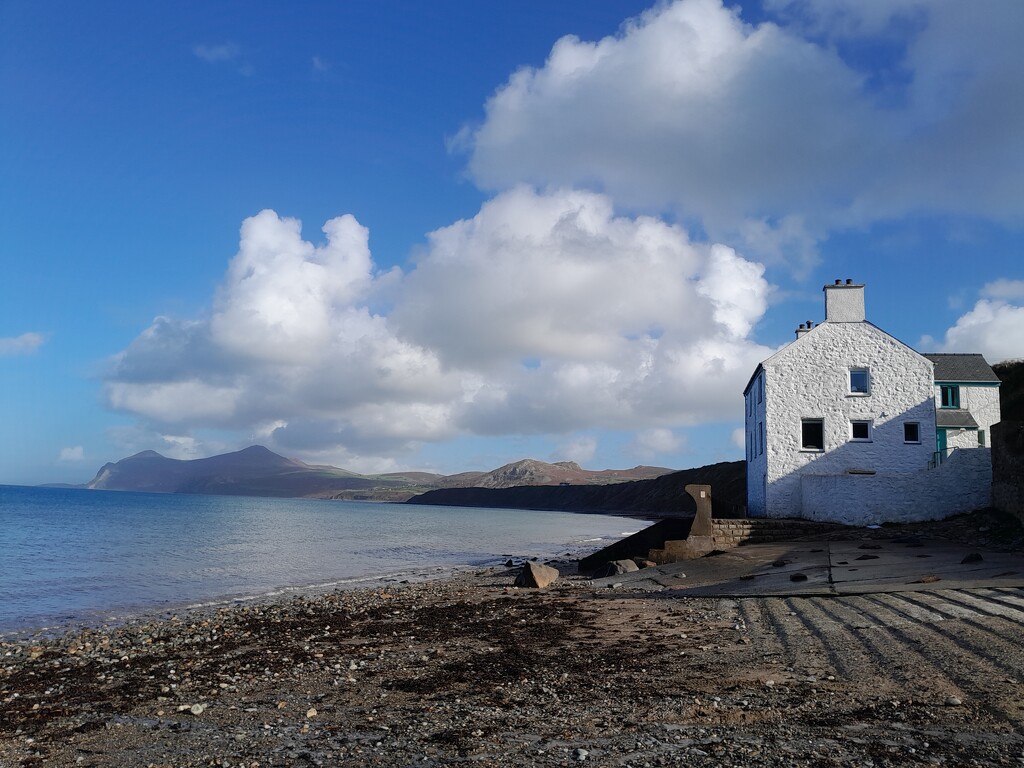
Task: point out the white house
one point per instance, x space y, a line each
966 401
847 423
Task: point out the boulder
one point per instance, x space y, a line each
535 575
615 567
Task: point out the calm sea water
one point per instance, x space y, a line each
76 556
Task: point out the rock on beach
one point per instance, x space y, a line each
536 575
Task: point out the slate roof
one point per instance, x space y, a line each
954 418
962 367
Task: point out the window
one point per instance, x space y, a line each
860 381
981 438
860 430
911 432
760 441
950 395
812 434
760 388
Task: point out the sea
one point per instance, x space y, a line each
74 557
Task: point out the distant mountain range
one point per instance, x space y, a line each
257 471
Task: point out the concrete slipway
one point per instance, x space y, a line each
830 568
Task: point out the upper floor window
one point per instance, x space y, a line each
860 381
949 395
812 434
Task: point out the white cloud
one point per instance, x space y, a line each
73 453
739 438
993 327
581 449
543 314
1004 289
657 441
217 52
766 134
21 345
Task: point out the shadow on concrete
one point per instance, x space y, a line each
828 568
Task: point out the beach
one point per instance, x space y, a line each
471 670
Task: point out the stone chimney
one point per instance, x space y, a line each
804 328
844 302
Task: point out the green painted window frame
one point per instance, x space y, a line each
949 395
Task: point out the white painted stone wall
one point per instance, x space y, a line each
960 438
982 402
757 456
960 484
809 378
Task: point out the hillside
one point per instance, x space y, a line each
254 471
658 497
257 471
533 472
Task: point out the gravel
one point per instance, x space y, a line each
472 671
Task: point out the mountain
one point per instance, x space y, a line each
254 471
533 472
662 496
257 471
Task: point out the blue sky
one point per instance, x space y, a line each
558 230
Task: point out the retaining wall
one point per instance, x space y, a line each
1008 467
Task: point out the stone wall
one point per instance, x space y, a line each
963 482
1008 467
733 533
729 533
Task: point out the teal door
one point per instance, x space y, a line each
940 444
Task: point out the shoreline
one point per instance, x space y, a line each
109 619
471 669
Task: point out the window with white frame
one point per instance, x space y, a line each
812 434
911 432
860 381
860 430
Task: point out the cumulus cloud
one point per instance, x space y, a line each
21 345
546 313
580 449
993 327
72 454
772 135
1004 290
657 441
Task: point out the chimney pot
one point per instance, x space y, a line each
849 281
838 281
